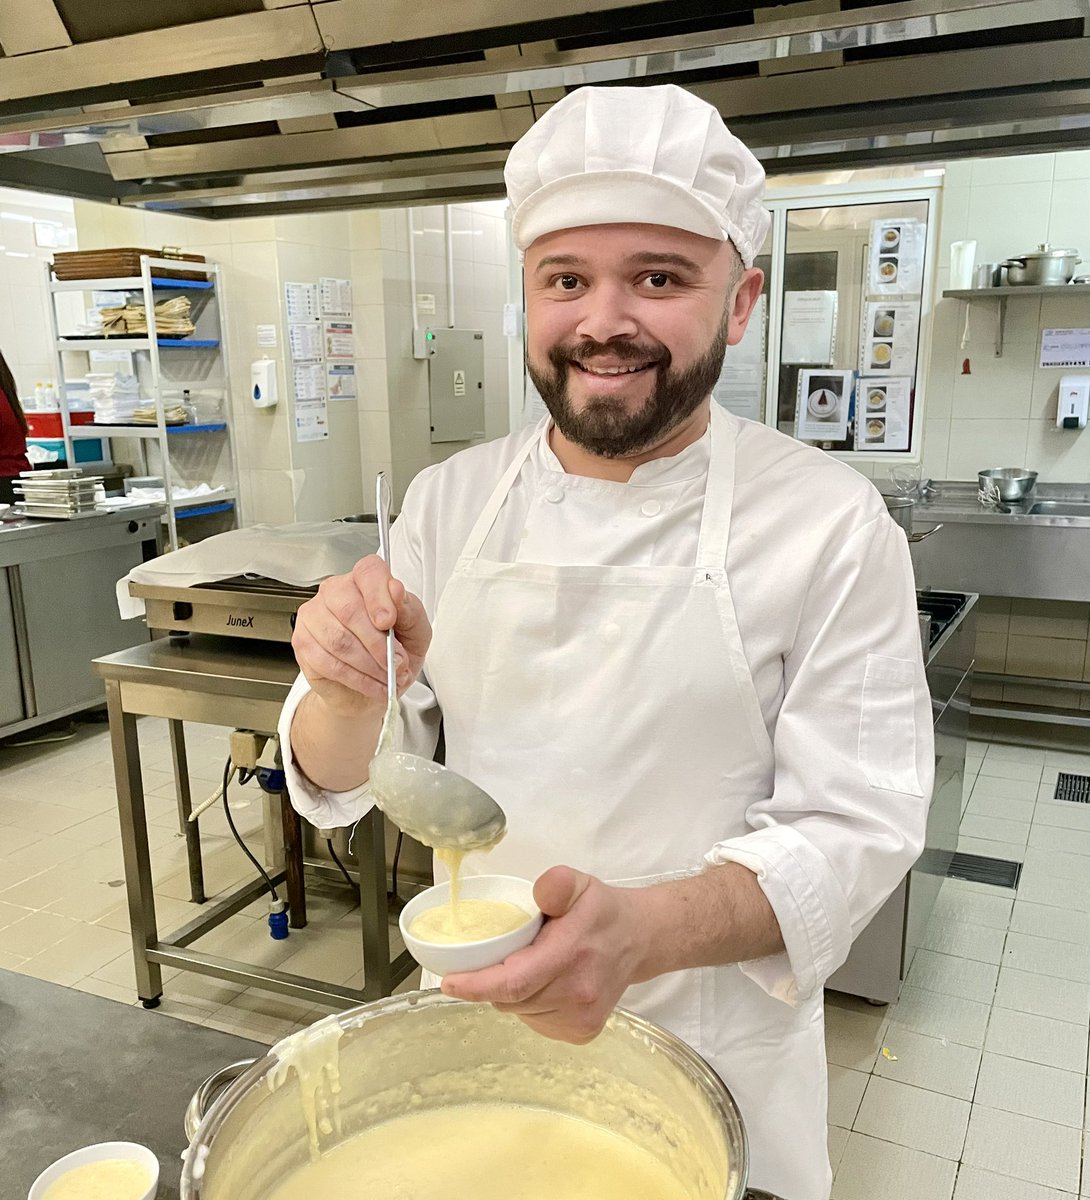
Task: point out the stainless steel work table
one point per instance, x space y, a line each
237 684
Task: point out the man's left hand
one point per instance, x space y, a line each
567 982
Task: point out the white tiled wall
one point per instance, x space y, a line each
386 428
24 312
479 256
1001 411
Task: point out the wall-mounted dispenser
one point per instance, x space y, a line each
1073 402
263 389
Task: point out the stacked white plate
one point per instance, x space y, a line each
58 495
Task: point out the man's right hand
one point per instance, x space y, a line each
340 637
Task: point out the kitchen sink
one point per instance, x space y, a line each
1060 508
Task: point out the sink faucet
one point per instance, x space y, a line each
926 489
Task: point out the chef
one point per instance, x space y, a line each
679 648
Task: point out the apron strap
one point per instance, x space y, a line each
488 515
711 549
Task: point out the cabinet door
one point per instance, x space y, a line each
11 691
72 617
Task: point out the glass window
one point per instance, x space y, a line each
850 321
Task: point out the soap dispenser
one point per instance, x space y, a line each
1073 402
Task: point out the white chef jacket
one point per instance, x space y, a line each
823 590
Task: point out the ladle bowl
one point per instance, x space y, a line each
427 800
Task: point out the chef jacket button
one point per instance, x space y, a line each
650 508
554 495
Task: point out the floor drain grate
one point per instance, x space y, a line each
975 868
1075 788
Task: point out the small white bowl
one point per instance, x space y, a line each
443 959
131 1151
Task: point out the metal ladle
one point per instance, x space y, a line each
435 805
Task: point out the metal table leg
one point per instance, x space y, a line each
293 863
370 842
125 745
189 829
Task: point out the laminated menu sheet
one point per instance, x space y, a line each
891 331
823 405
884 410
897 246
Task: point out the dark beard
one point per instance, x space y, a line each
605 427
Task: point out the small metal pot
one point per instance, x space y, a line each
1043 267
901 509
1009 484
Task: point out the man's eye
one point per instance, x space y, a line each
567 283
658 279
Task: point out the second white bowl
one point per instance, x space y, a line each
443 959
103 1151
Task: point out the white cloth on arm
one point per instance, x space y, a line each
823 590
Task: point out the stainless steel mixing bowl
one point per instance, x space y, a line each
425 1050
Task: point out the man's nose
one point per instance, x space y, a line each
607 313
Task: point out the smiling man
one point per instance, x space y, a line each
679 648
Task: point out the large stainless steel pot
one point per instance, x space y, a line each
1044 267
426 1050
901 509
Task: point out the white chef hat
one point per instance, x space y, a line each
648 155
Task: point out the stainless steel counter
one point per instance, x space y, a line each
24 540
1005 553
958 503
58 609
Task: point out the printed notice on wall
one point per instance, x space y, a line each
741 384
1065 347
309 380
822 405
338 339
301 301
883 410
340 381
311 420
897 248
336 296
891 330
305 340
809 328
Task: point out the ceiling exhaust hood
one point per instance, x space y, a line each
227 108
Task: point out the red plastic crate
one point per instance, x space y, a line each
48 424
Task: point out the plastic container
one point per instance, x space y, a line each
48 424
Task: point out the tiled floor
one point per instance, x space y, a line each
63 914
971 1087
974 1085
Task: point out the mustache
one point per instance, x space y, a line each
632 352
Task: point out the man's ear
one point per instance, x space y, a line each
742 302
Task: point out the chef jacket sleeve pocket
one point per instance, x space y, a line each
887 725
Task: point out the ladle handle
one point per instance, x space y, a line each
382 508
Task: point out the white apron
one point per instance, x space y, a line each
611 712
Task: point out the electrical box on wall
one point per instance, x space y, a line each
455 383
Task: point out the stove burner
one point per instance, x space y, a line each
942 607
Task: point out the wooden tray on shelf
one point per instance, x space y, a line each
121 262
